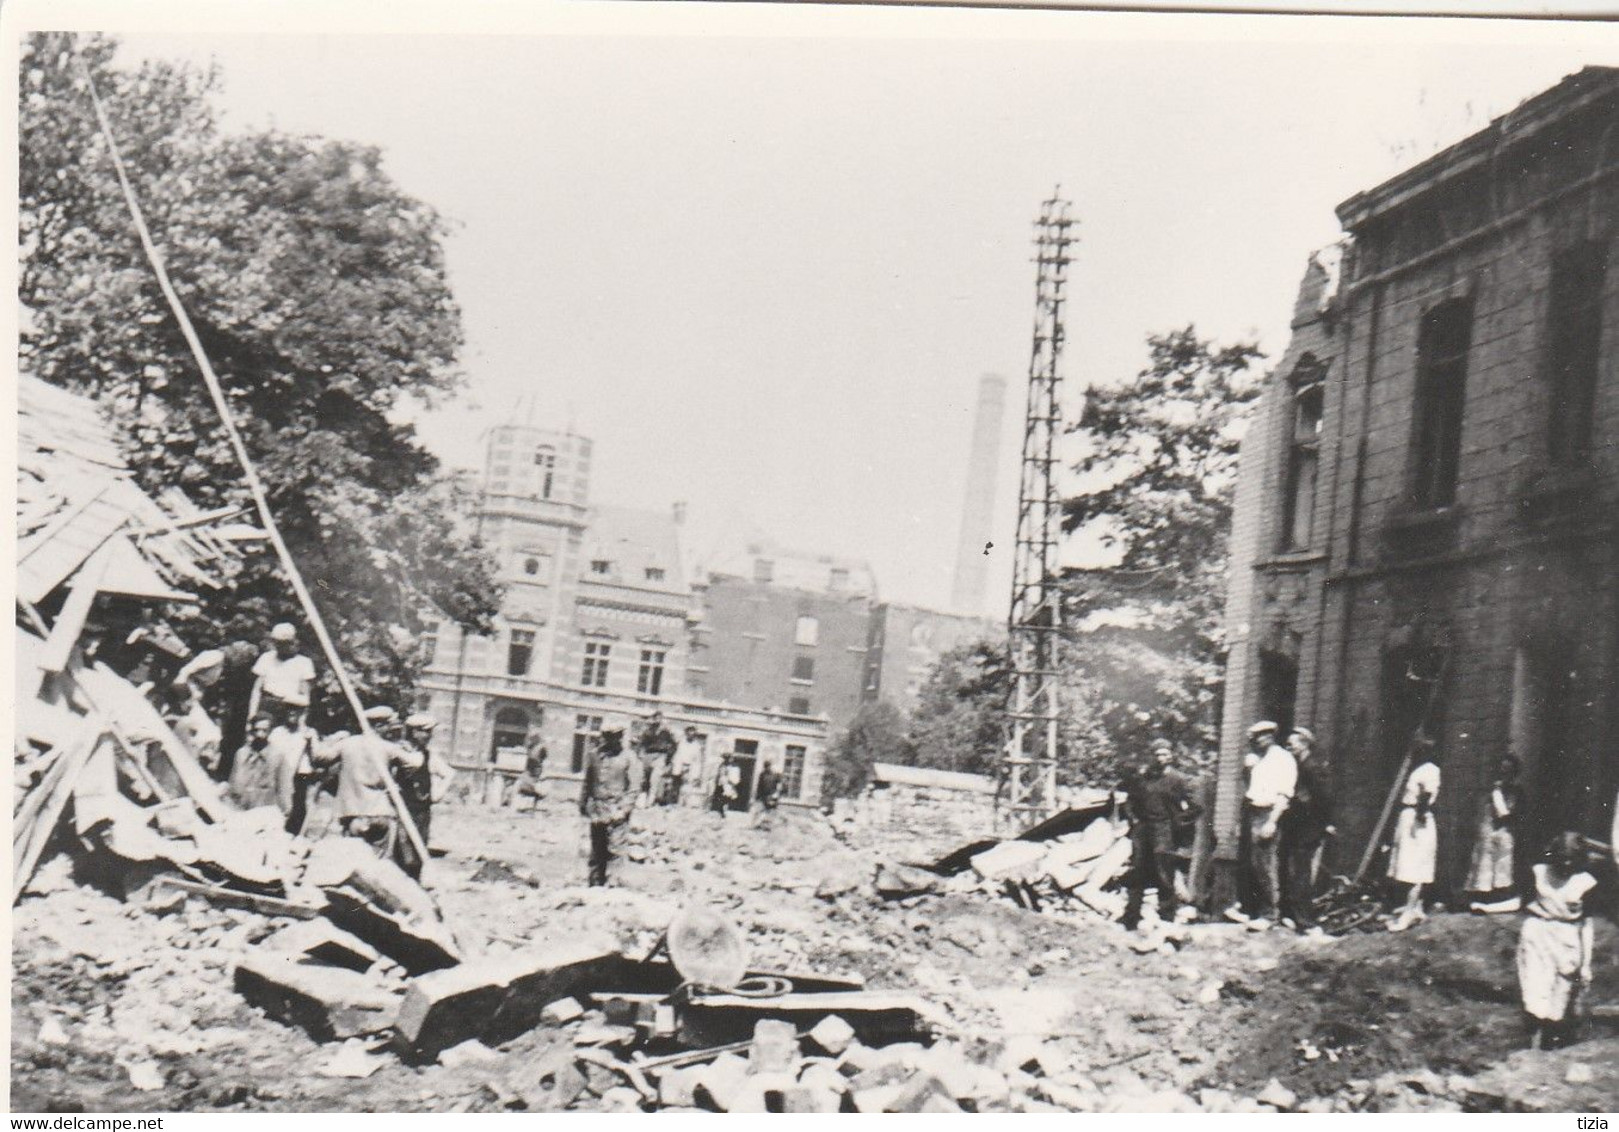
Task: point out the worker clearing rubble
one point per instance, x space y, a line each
607 798
364 807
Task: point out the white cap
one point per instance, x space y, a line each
283 632
1262 727
421 721
382 713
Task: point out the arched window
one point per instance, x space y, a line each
531 566
511 729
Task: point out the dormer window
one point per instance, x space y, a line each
655 573
601 566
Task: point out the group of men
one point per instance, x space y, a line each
1286 820
356 782
662 772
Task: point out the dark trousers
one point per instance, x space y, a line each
1152 862
1298 888
601 850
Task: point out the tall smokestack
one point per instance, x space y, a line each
978 503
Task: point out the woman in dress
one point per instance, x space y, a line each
1554 948
1416 836
1490 879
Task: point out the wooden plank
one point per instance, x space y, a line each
252 902
51 811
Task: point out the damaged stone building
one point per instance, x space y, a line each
1425 531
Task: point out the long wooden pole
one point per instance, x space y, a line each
217 393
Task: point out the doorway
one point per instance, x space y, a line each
746 754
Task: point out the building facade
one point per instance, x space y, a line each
1425 536
595 631
806 634
907 642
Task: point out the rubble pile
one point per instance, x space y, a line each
1072 864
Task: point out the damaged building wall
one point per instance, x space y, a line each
1463 532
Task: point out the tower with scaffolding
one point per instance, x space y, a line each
1034 622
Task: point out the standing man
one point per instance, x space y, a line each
727 784
285 677
657 744
606 799
1305 826
686 766
529 786
767 791
292 746
1271 784
418 785
1158 801
364 808
253 776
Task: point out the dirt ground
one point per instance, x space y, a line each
117 1009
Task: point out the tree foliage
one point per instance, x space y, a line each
1158 473
959 722
879 733
317 287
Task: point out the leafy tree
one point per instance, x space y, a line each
959 722
877 734
1158 471
318 289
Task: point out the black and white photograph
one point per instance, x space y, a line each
752 558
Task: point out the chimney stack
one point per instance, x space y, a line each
978 502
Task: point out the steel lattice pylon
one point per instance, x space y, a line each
1034 622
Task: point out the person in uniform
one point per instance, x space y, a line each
1158 800
607 798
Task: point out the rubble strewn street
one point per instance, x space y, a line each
1034 1011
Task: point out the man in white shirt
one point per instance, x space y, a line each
686 766
1272 779
283 678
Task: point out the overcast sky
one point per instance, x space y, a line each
765 272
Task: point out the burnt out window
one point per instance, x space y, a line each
1441 397
1303 454
1573 348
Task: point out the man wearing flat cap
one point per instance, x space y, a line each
1272 779
1304 829
364 808
607 798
